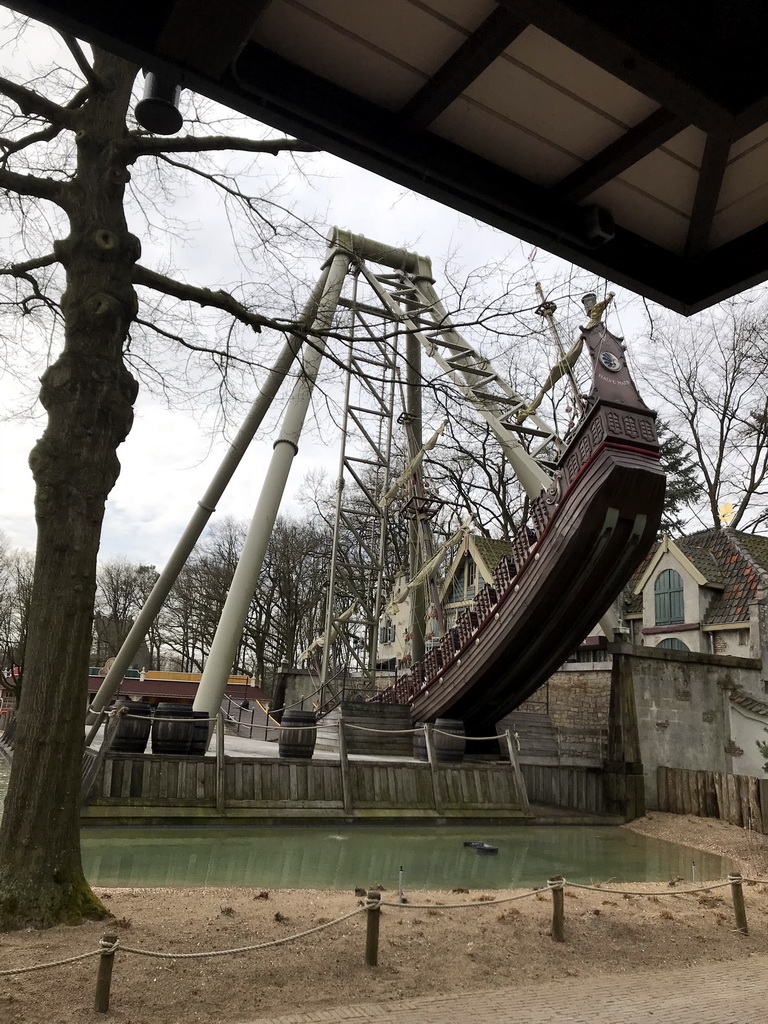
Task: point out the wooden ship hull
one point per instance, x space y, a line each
592 530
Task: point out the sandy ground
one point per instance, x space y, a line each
424 949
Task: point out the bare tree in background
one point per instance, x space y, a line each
16 573
710 375
68 151
121 590
473 476
468 469
286 613
287 605
185 621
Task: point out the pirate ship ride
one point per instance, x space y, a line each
596 496
590 529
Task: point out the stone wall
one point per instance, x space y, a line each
683 708
685 718
579 697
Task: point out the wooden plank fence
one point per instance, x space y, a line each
739 799
580 789
136 785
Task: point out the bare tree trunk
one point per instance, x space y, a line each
88 394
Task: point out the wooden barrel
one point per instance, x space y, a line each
420 743
172 729
449 747
200 734
132 727
297 733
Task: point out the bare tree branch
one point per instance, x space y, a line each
204 297
251 204
32 185
151 146
21 269
211 350
11 146
81 60
23 272
31 102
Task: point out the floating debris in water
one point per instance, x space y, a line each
480 847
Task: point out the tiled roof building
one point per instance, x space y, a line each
704 592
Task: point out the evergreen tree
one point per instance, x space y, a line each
684 488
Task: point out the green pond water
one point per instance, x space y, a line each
433 857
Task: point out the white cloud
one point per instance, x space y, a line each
169 457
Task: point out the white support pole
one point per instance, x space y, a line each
416 525
229 631
207 505
330 600
221 767
533 477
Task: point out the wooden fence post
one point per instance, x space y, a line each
558 908
344 768
372 917
522 792
432 758
91 735
104 977
738 904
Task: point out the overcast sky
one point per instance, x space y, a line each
170 456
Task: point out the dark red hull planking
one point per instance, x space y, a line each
593 528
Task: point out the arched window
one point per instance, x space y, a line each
673 644
668 595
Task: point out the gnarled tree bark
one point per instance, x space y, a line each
88 394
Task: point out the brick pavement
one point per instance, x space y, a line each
723 993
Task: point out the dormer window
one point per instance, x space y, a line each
464 586
668 598
471 579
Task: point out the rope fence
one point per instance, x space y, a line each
383 732
244 949
664 892
121 712
51 963
462 906
109 945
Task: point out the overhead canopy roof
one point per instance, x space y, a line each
550 119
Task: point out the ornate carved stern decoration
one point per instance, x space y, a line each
616 414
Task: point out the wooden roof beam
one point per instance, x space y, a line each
751 118
585 36
198 34
727 270
475 54
658 128
713 166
